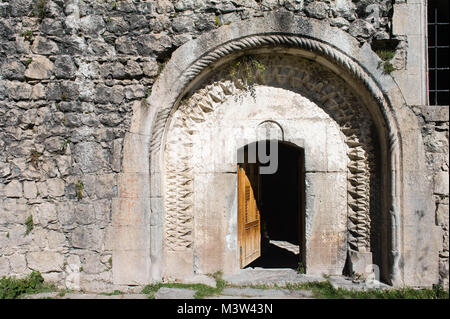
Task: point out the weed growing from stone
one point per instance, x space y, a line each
386 56
250 70
64 145
27 62
28 35
34 158
30 225
301 268
217 22
39 10
11 287
79 188
388 68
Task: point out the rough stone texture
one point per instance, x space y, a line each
269 294
45 261
435 131
40 68
13 189
174 293
69 79
55 295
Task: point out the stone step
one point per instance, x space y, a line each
260 276
55 295
174 293
267 293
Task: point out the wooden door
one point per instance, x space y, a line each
249 222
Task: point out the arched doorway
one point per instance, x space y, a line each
164 245
271 209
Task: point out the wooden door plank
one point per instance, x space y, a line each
249 224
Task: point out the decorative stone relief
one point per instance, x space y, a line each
270 130
293 73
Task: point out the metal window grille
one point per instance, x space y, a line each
438 47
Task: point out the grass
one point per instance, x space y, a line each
63 292
320 290
324 290
114 293
201 290
12 288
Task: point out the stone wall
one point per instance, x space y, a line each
70 74
434 122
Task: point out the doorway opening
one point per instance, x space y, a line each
271 210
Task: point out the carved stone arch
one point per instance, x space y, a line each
309 79
308 38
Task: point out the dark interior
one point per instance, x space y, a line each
281 206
